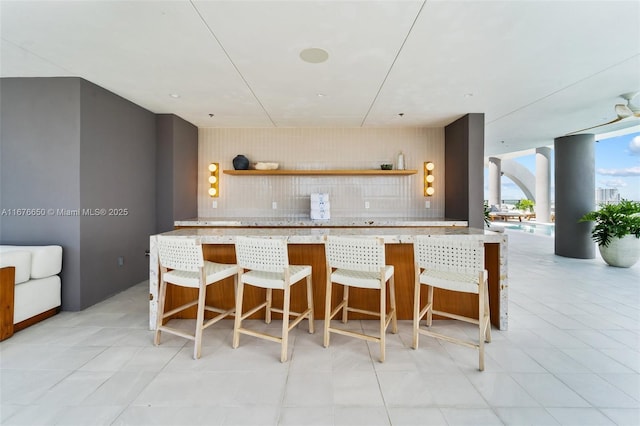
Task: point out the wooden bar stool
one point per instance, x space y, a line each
182 264
359 262
264 263
454 264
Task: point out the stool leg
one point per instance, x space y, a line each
430 304
267 314
197 346
162 291
235 291
327 307
383 317
310 305
238 320
345 299
285 321
481 323
416 309
487 312
392 300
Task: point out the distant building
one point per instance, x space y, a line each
607 196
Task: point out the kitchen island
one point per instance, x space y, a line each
305 239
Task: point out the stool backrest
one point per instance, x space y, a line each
184 254
449 253
356 254
262 254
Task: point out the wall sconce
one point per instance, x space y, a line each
214 179
428 179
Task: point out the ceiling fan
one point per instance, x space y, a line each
623 112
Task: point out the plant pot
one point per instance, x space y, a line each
622 252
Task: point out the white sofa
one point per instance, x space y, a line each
37 290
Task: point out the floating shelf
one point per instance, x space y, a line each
320 172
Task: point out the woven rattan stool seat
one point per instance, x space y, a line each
455 264
264 262
359 262
182 264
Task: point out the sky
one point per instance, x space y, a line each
617 163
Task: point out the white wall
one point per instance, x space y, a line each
322 148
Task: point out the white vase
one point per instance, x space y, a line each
622 252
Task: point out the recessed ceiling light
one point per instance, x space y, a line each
314 55
174 95
321 95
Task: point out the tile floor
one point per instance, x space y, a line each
571 356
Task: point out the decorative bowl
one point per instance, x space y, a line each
386 166
240 162
261 165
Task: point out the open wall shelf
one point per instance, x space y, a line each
320 172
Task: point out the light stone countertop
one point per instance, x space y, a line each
308 235
306 222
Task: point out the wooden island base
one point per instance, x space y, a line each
398 255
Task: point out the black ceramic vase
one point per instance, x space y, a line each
240 162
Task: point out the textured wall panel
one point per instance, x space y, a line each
321 149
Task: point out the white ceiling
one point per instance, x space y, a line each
536 69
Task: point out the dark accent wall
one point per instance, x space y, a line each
39 169
68 145
117 173
575 195
464 170
177 173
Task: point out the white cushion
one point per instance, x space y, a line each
275 279
450 280
361 279
213 271
45 260
35 297
21 260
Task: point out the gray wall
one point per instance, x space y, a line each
177 172
464 170
67 144
39 168
117 172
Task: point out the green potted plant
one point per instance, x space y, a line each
487 218
617 232
525 205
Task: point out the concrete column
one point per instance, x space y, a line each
575 195
543 184
464 170
495 173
